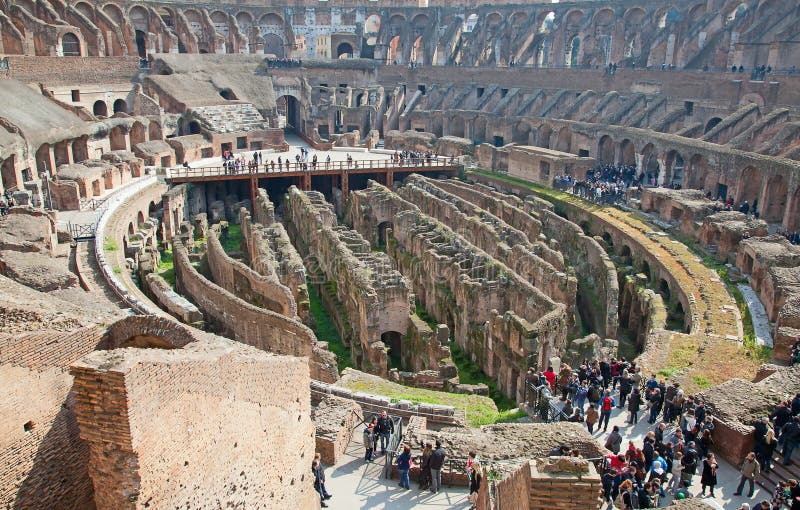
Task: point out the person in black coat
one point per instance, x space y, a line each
475 480
709 476
634 403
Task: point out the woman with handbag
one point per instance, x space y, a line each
475 481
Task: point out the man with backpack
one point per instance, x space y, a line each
689 463
606 405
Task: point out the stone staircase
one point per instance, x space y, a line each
779 472
229 118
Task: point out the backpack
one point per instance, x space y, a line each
607 404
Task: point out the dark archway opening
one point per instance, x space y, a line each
70 45
120 106
663 289
394 342
289 114
100 109
141 44
383 233
344 50
228 94
712 123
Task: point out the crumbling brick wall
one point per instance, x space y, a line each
335 419
232 317
44 461
213 421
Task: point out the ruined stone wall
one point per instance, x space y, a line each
243 282
371 210
375 296
44 461
513 491
576 485
334 419
235 318
464 288
195 426
167 299
494 236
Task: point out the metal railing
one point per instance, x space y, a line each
286 167
545 403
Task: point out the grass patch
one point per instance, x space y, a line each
232 238
166 267
701 381
110 244
479 410
326 330
117 270
469 373
423 314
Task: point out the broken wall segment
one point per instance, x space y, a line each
237 319
144 413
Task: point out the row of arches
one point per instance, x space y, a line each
100 108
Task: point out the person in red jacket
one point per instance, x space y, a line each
550 376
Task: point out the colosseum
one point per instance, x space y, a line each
235 233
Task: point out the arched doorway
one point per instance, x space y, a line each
573 50
100 109
120 106
627 153
605 150
775 195
117 139
137 134
394 342
344 50
711 124
289 113
564 140
383 229
392 57
9 175
793 223
749 187
675 166
141 44
273 45
698 171
545 133
70 45
43 164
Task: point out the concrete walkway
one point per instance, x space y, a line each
727 474
758 314
357 484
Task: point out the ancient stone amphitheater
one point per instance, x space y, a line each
483 189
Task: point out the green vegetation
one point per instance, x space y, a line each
326 331
110 244
423 314
117 270
232 238
701 381
479 410
166 267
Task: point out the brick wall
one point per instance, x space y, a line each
334 419
43 462
513 491
215 421
73 70
240 280
232 317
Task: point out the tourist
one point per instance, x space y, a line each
625 387
606 405
607 481
626 495
425 467
709 476
550 376
384 429
580 396
436 463
475 479
614 440
404 464
319 480
790 437
676 473
591 418
634 403
472 458
321 476
749 471
689 463
368 444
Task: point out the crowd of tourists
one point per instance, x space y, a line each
605 184
679 445
284 62
6 202
413 157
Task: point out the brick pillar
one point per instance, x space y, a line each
389 178
345 186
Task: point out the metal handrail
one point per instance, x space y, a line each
544 401
321 166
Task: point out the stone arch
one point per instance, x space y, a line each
456 126
768 5
100 109
749 185
650 165
70 45
627 152
86 9
289 107
139 218
667 15
271 19
675 168
664 290
545 133
735 10
417 51
61 153
344 50
518 19
572 56
131 229
372 26
520 133
608 239
604 19
139 18
753 97
605 150
138 133
634 16
393 341
695 175
114 12
711 124
625 254
545 21
273 45
420 21
383 232
244 20
564 140
43 163
470 22
494 20
120 106
645 269
140 38
574 18
116 138
154 131
393 54
775 196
